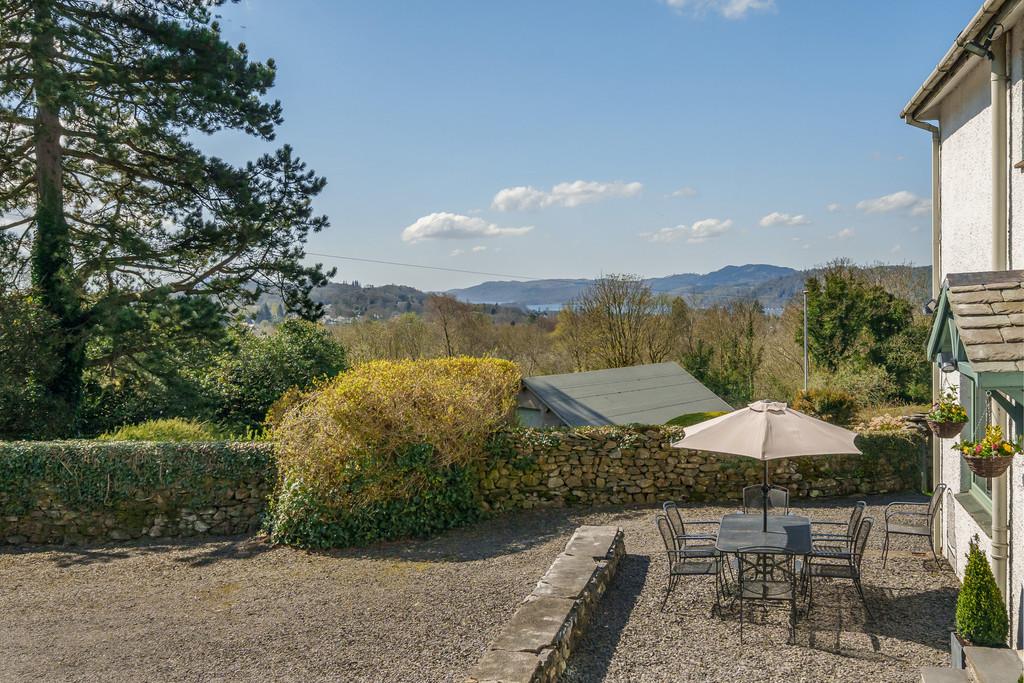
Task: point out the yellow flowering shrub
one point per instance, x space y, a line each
388 448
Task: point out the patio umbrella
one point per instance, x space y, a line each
767 431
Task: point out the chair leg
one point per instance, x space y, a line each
860 589
885 550
668 591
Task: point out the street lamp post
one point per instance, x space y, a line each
805 340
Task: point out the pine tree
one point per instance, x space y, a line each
980 612
108 211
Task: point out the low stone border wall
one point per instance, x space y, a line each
535 645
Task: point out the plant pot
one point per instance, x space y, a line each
956 651
945 430
989 467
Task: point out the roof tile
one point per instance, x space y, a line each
980 297
969 322
1008 307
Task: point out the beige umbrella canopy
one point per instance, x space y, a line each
766 431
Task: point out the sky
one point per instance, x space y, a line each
576 138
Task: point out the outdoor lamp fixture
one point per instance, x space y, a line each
947 362
982 49
929 306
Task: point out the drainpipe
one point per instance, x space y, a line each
1000 151
937 532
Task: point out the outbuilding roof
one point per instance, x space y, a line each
988 311
644 394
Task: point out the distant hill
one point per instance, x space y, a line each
721 285
506 301
772 285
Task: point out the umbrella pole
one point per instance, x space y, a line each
764 492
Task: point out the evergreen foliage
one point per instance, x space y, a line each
980 612
126 231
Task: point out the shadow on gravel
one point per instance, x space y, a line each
594 653
194 552
504 534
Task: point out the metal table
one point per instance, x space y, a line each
788 533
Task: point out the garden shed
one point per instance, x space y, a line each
642 394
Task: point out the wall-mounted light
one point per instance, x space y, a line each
981 49
947 362
929 306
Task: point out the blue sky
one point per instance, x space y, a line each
571 138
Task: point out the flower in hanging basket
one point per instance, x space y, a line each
948 409
992 455
947 417
993 445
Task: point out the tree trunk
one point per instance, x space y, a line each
52 267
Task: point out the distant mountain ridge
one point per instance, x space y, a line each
772 285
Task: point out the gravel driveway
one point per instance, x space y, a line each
240 610
631 639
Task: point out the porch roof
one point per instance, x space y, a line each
986 310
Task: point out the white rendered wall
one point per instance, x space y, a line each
965 129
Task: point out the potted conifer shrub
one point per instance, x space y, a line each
981 617
947 417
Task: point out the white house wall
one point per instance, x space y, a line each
966 192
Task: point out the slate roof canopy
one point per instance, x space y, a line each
988 310
645 394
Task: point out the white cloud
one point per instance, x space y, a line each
701 231
897 249
845 234
730 9
452 226
833 207
777 218
686 191
475 250
897 201
563 194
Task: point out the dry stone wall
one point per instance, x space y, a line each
627 465
535 645
76 492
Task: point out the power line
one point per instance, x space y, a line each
418 265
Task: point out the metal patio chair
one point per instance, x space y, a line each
688 562
838 545
688 532
778 499
918 522
849 569
766 576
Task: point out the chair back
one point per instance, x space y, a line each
933 504
669 538
778 499
674 517
855 518
766 571
861 541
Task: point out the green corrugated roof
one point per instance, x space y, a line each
645 394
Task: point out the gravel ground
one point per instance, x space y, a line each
240 610
631 639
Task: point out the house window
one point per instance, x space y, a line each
979 487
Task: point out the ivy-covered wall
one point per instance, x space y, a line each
623 465
94 491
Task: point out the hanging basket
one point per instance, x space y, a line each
945 430
989 467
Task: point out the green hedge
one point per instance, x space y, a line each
445 497
91 474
